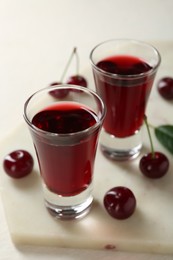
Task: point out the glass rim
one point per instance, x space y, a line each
116 75
70 87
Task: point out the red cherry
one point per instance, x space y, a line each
18 164
154 164
165 88
77 80
120 202
154 167
58 93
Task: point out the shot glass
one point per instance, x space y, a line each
65 122
124 71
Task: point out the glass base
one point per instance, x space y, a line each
120 149
68 207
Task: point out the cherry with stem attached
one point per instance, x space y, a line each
63 93
155 164
77 79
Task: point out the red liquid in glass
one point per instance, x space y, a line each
67 168
125 98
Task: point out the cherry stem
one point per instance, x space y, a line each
152 126
77 62
149 134
68 64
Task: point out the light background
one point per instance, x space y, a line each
36 39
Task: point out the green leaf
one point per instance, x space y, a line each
164 134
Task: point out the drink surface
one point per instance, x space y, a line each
66 169
125 97
64 118
124 65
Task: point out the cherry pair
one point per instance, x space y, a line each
76 79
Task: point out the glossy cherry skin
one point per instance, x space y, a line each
120 202
165 88
156 167
58 93
18 164
77 80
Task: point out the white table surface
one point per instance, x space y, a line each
36 39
